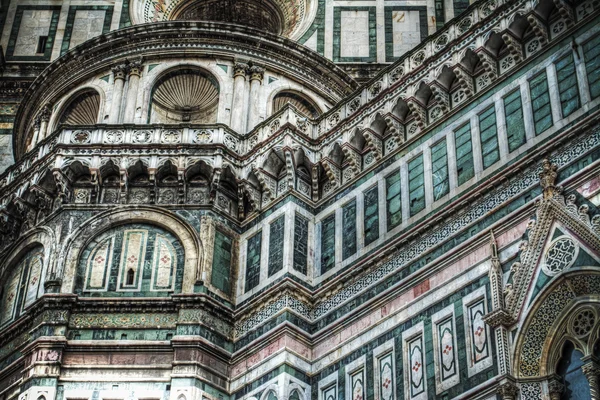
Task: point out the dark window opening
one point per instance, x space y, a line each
42 41
130 276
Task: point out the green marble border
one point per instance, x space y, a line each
14 33
337 34
71 20
317 25
389 29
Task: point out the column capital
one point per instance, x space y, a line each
240 69
44 114
508 390
120 71
256 73
135 68
555 387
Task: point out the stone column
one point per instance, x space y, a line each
591 370
238 116
115 107
135 70
44 118
256 77
36 132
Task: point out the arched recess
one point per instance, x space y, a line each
131 259
71 250
184 94
546 327
82 108
22 275
301 102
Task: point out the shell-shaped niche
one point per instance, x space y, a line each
185 95
300 102
82 109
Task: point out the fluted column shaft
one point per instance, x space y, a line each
238 115
135 70
256 77
119 82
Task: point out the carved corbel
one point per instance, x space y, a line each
419 111
291 170
315 182
466 81
514 46
374 142
441 96
539 28
181 185
565 10
395 128
333 171
353 157
489 64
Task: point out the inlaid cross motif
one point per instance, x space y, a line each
131 259
417 366
447 349
165 259
479 330
387 383
99 259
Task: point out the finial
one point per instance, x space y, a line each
548 179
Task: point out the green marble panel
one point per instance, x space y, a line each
328 243
540 103
515 125
71 20
464 154
416 185
371 215
276 245
253 261
568 90
489 137
349 229
221 266
591 54
300 243
393 200
439 169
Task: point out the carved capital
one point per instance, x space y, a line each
508 390
500 317
135 68
44 114
120 71
239 69
256 73
555 388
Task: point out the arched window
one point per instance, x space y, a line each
569 368
21 285
302 103
185 95
82 109
131 260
